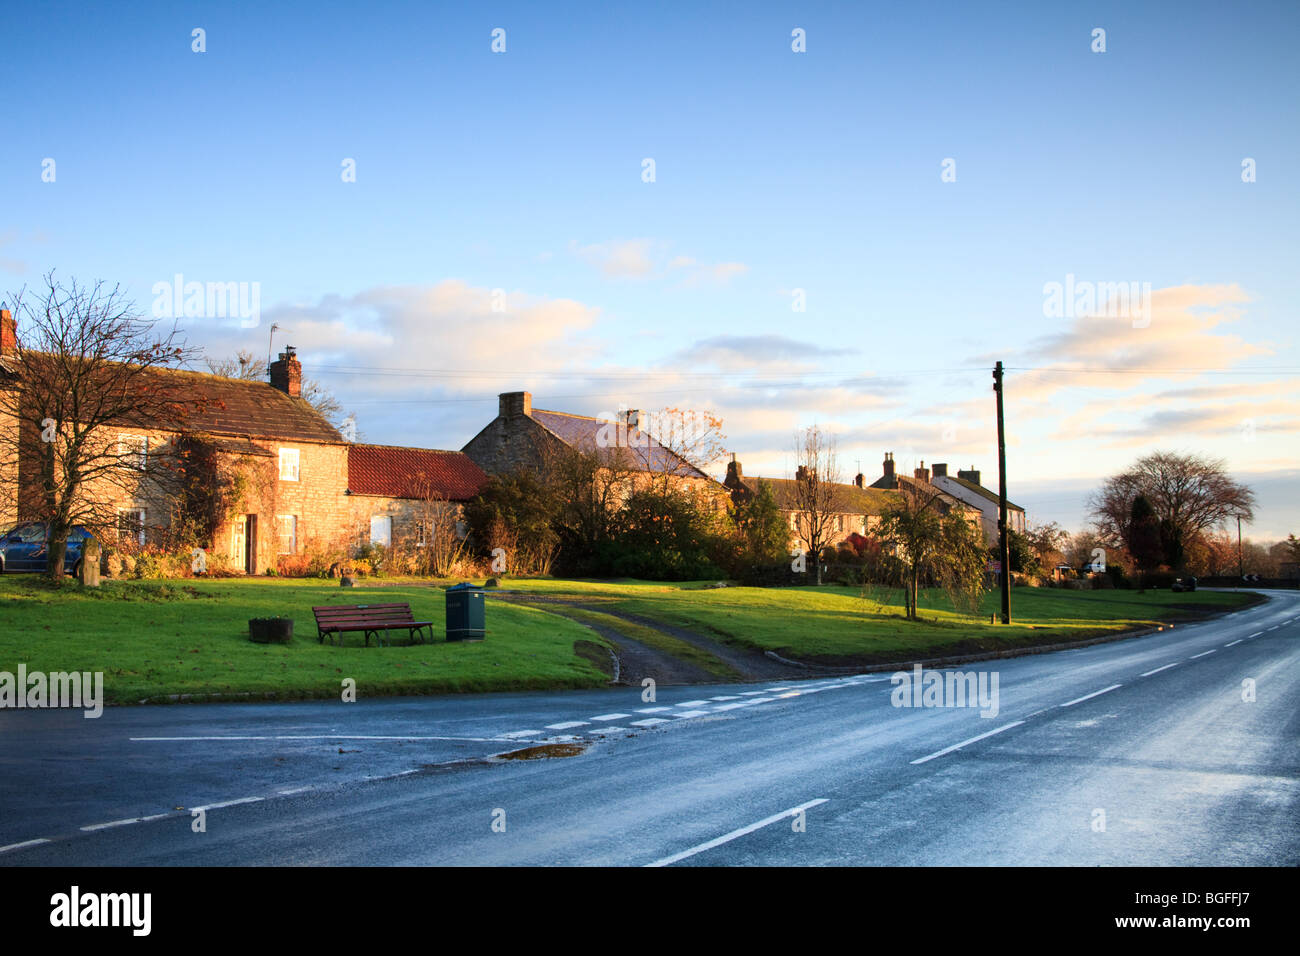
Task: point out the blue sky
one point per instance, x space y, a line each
775 171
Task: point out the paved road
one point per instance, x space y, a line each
1150 737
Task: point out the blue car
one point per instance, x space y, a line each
24 548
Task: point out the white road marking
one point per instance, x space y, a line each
736 834
517 734
650 722
1275 627
762 700
692 703
751 693
1233 643
1095 693
567 725
736 706
1202 654
608 730
25 843
690 713
725 697
611 716
121 823
286 793
652 710
228 803
1256 634
793 693
948 750
1159 669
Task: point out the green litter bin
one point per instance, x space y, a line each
465 614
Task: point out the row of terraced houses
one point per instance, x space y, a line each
317 485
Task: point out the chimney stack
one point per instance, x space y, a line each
922 473
859 479
940 470
972 475
515 404
889 466
8 332
286 373
801 473
735 477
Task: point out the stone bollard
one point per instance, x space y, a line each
346 581
88 571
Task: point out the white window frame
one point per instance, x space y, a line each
125 448
382 518
280 522
139 513
289 461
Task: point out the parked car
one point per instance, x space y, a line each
1094 567
24 547
1184 584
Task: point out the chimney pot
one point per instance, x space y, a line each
859 479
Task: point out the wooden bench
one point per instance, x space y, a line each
334 620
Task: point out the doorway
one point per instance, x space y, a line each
243 545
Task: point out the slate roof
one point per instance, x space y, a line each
215 405
394 472
581 432
849 499
983 492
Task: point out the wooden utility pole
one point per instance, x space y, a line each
1004 549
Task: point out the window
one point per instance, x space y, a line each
794 521
286 533
381 530
421 534
839 522
130 525
134 450
288 464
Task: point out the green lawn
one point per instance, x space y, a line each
154 639
834 624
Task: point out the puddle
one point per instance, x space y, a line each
545 751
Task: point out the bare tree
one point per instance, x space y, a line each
816 475
439 543
1190 494
87 364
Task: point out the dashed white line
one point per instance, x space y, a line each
1256 634
608 730
1159 669
121 823
652 710
1202 654
1095 693
725 697
567 725
948 750
228 803
25 843
650 722
287 793
692 703
736 834
1233 643
690 713
519 734
604 717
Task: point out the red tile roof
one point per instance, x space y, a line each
395 472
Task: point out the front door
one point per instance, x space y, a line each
250 544
243 543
